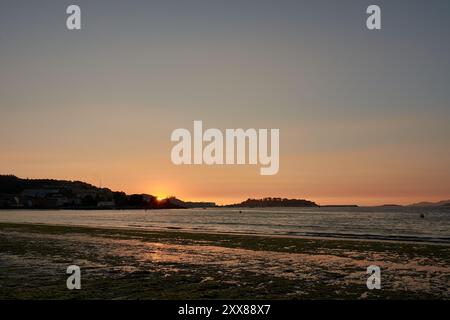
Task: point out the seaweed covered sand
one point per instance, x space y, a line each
134 264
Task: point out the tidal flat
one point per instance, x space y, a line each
138 264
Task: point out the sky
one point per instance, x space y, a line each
363 115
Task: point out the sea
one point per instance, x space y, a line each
430 224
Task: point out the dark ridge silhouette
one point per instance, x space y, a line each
443 203
274 202
10 184
17 193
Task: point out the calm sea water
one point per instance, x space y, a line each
365 223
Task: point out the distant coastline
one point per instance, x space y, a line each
18 193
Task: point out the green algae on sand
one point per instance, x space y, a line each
137 264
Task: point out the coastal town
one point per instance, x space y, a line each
17 193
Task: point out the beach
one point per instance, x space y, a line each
121 263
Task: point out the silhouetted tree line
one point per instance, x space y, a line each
49 193
10 184
275 202
145 201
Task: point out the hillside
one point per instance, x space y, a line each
431 204
17 193
10 184
274 202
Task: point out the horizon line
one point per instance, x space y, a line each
387 203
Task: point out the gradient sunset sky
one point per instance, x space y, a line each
364 116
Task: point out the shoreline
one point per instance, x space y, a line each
323 236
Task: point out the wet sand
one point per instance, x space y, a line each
133 264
